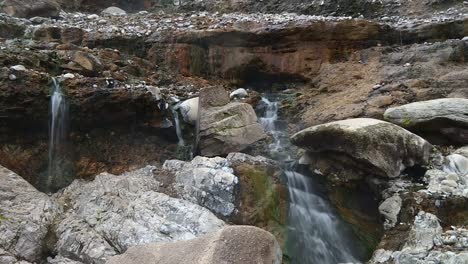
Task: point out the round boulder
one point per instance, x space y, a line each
378 147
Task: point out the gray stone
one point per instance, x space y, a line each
379 147
448 115
233 245
425 229
229 128
113 11
208 182
462 151
390 208
111 213
456 163
25 218
239 93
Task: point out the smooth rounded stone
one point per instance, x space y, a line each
18 68
462 151
390 208
68 76
381 256
375 146
456 163
113 11
209 182
450 183
12 77
112 213
232 244
189 110
25 217
229 128
30 8
239 93
448 115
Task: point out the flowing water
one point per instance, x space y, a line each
315 232
177 127
57 135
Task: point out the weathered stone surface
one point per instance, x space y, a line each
31 8
228 128
26 215
446 116
88 61
213 96
209 182
108 215
378 147
427 243
390 208
234 245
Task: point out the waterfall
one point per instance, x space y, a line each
315 232
177 127
57 134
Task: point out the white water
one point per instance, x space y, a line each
57 132
315 232
177 127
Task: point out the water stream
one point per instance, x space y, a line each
315 232
177 127
57 134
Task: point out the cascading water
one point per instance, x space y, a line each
57 134
177 127
315 232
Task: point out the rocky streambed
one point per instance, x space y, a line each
168 160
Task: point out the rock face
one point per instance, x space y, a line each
112 213
228 128
262 198
234 245
26 215
207 182
448 116
379 147
31 8
390 209
427 243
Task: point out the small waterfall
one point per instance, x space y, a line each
177 127
57 134
315 232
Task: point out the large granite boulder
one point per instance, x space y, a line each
448 117
377 147
233 245
30 8
229 128
209 182
112 213
26 216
